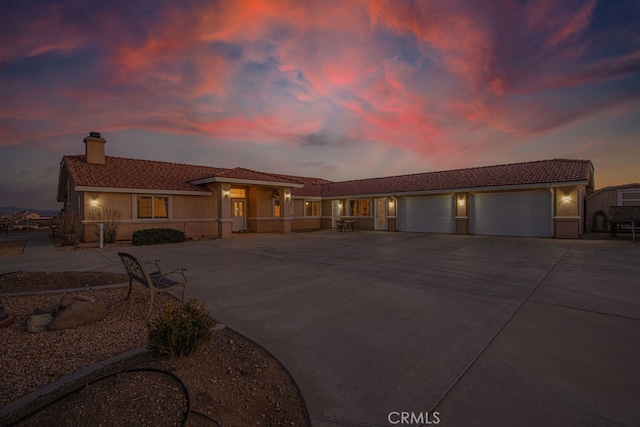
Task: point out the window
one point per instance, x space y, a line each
311 208
276 208
360 207
238 193
629 197
151 207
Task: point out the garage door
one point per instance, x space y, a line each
518 213
429 214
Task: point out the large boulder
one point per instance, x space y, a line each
77 310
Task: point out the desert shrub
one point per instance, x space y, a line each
154 236
110 217
180 331
69 223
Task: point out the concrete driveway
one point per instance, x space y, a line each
401 329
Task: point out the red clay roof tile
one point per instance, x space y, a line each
537 172
126 173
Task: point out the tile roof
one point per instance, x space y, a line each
312 186
536 172
126 173
118 172
251 175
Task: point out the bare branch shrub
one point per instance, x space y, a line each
69 224
110 217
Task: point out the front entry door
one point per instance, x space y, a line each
239 215
381 214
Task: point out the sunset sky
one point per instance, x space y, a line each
335 89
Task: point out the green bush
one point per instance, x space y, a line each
154 236
179 331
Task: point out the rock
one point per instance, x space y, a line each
45 310
38 322
77 313
7 321
70 299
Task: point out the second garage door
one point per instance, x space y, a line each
428 214
517 213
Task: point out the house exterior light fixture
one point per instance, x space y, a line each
93 202
226 193
566 198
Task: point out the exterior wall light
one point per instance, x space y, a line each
94 202
566 198
287 196
461 201
226 193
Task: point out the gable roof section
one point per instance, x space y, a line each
135 174
312 186
248 176
515 174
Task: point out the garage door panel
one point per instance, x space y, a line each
428 214
521 213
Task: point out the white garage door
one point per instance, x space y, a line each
517 213
428 214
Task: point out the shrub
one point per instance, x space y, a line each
69 223
154 236
110 217
179 331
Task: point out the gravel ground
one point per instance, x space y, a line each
230 379
10 248
32 360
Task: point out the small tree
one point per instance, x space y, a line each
70 227
110 217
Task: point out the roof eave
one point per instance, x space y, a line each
246 182
462 190
144 191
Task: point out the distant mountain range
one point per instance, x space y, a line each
10 210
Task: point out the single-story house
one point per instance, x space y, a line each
598 203
538 198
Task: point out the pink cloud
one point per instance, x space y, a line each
576 23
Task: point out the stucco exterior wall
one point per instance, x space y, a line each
312 223
568 207
195 215
194 207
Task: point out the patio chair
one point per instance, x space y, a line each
155 281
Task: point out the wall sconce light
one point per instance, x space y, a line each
391 202
94 202
226 193
566 198
287 196
461 201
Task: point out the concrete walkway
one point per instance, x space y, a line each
375 327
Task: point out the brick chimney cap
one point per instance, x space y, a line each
94 134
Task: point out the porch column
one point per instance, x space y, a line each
462 213
225 221
286 210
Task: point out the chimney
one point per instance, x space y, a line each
94 148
